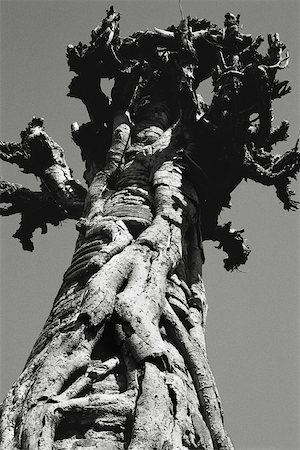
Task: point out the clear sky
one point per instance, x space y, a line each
253 320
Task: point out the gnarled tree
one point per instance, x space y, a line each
121 361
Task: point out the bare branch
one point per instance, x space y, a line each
15 154
37 209
232 242
278 171
280 133
279 89
40 155
275 59
100 54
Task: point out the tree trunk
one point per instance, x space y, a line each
121 362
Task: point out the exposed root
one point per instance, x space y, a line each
152 431
203 379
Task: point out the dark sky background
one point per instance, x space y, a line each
253 319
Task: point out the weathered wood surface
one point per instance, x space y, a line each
121 362
120 293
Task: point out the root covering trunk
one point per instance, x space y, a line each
121 362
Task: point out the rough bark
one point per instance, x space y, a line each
132 394
121 361
61 197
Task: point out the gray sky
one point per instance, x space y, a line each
253 320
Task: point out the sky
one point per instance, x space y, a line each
253 320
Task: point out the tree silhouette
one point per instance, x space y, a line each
121 361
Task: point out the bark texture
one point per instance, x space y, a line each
121 362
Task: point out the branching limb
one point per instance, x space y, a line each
37 209
280 133
40 155
15 154
277 134
279 172
279 89
86 87
232 242
61 196
275 58
100 54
